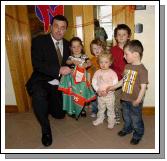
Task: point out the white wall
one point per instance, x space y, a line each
147 37
9 91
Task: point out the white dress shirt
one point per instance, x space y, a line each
55 81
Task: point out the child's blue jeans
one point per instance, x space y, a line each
94 106
133 119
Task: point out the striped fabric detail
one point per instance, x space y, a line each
129 81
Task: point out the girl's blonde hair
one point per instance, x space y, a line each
105 54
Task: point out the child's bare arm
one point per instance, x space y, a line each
141 95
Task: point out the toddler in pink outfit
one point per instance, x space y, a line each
103 78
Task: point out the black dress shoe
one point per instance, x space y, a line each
46 139
83 114
134 141
73 116
59 115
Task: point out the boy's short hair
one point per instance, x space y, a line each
122 27
135 46
105 54
60 18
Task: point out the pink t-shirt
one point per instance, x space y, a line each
104 78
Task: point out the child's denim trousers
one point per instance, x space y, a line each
94 106
133 121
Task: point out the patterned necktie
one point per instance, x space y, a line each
58 52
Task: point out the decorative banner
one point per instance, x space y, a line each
45 13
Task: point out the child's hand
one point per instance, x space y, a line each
99 93
76 62
84 65
135 103
102 93
110 88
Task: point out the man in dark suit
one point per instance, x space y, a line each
48 60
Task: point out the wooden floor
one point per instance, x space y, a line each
23 132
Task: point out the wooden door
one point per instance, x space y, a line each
18 44
86 12
123 14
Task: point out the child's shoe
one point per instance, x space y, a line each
117 122
110 126
135 141
97 122
93 115
83 113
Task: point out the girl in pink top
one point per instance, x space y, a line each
102 79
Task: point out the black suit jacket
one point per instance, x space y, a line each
45 60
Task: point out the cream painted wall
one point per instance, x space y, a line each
147 37
9 91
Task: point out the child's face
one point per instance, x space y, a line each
96 49
129 56
122 36
104 63
76 47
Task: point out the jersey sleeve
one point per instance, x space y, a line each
95 82
143 77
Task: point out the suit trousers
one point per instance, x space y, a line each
46 99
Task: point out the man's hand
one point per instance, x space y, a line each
64 70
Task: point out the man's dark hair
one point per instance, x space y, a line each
60 18
135 46
122 27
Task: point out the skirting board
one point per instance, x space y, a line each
146 110
11 109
